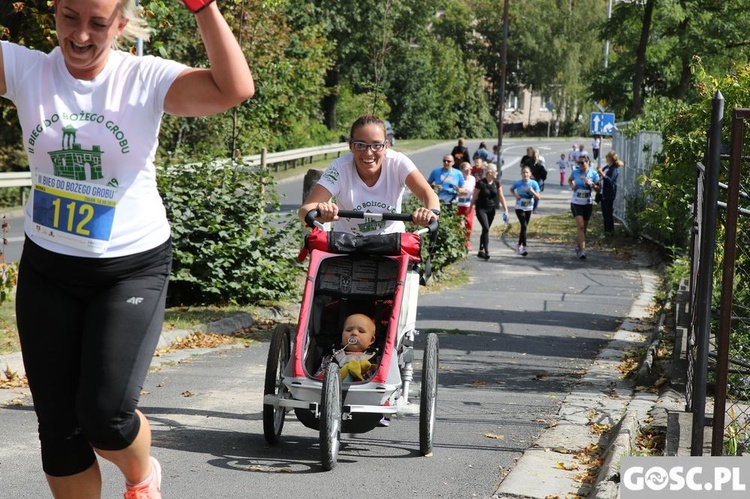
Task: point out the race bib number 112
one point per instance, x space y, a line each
73 213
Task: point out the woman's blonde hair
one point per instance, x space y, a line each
614 159
137 26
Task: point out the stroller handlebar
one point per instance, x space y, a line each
310 218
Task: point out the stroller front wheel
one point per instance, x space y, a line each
330 416
428 395
278 356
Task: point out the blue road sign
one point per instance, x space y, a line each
602 124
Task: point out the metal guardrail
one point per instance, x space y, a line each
264 159
15 179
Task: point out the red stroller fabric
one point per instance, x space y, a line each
396 244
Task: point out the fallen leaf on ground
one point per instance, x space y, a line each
495 436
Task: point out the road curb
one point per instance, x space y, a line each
624 435
607 481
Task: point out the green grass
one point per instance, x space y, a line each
558 228
8 332
561 229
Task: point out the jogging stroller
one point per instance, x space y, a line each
378 276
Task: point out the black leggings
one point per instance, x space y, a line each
523 217
608 207
88 330
485 217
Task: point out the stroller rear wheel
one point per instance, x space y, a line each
330 416
278 356
428 395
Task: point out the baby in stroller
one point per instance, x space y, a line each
356 352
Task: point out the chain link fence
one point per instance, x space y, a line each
638 154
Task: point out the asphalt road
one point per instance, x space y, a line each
512 344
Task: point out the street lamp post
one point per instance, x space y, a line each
503 66
606 42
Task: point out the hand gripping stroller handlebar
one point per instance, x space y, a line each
312 215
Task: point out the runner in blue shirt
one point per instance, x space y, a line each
583 182
446 181
526 191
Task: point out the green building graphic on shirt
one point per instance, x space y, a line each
74 162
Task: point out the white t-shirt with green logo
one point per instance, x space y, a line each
91 148
351 193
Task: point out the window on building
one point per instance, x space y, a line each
511 102
546 103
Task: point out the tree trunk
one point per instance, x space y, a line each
308 183
331 98
640 61
685 78
686 75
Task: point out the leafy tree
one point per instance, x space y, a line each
434 93
550 49
288 61
640 59
351 33
659 63
670 184
369 41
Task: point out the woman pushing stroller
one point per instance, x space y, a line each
372 178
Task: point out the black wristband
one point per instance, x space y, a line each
436 212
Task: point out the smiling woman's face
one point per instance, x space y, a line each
85 32
367 161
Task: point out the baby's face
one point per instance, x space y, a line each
358 334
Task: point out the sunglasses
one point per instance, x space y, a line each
447 161
363 146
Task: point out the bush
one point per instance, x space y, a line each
227 249
451 240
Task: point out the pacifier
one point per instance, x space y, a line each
352 340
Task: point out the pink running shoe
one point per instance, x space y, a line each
148 490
